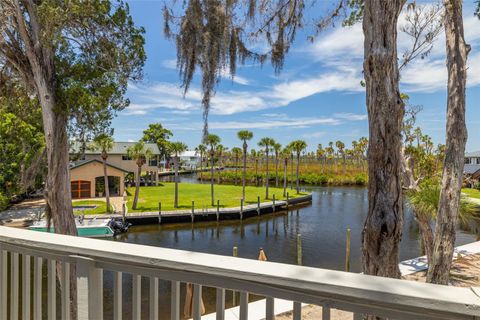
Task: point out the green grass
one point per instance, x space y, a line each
228 195
100 209
472 193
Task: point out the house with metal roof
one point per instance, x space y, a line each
472 157
86 174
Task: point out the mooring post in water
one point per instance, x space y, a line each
288 196
241 209
124 211
258 205
218 210
193 207
347 251
273 203
299 249
159 212
235 254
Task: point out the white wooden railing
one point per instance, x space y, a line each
361 294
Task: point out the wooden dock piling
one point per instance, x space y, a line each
299 249
218 210
273 205
241 209
159 212
347 251
258 205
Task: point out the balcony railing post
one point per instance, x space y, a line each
89 289
3 284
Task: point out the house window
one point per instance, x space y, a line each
152 162
125 157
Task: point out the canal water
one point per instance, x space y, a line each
322 226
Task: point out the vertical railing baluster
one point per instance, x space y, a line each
95 294
175 301
82 269
14 286
220 304
153 298
136 296
117 295
243 305
325 313
297 311
65 290
269 312
26 287
197 302
3 284
52 290
37 288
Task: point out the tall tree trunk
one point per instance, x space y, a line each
266 176
236 169
344 165
298 165
137 187
201 167
383 227
291 173
276 170
256 172
105 179
176 182
244 169
212 178
456 137
426 233
285 162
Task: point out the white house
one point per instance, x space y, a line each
189 159
472 157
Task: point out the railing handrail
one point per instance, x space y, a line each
336 289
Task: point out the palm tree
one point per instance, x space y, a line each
212 140
341 150
140 154
176 148
277 147
220 151
285 154
245 136
202 149
236 152
298 146
254 155
104 143
266 143
424 203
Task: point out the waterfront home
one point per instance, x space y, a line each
189 160
472 157
86 171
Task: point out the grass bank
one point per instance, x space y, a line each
228 195
472 193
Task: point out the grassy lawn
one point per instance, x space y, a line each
472 193
100 209
228 195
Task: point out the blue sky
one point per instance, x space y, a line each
317 97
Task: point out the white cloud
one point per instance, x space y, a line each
351 116
270 124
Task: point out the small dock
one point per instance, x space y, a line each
210 214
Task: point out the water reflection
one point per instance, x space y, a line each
322 226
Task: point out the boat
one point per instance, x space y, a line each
91 228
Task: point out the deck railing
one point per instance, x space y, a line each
357 293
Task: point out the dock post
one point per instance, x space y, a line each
193 207
299 249
159 213
258 205
273 205
235 254
192 213
241 209
347 251
288 196
124 211
218 210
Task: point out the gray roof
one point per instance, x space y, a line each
84 162
473 154
118 148
471 168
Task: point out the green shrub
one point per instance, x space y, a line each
360 179
477 186
3 202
